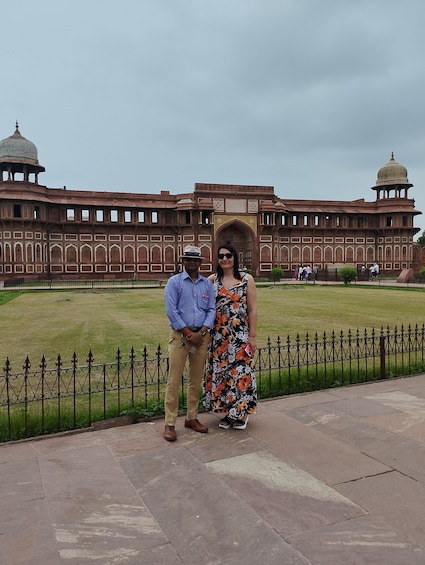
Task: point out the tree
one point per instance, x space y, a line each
348 274
421 239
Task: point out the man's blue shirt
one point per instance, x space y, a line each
189 303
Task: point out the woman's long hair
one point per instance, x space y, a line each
233 251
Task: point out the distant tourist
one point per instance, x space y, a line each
374 271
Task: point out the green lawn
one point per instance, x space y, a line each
63 322
292 309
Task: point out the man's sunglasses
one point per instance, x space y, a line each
223 255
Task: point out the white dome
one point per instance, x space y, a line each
392 173
17 149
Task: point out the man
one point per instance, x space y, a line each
374 270
190 307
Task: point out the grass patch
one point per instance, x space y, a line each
8 295
301 309
47 323
37 324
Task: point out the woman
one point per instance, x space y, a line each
229 386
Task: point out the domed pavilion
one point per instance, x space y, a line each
19 158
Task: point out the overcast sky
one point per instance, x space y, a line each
309 96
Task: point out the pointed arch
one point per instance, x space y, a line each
156 254
142 255
317 254
169 254
29 253
266 254
206 253
329 258
296 254
19 254
56 255
339 254
115 254
243 237
71 254
38 253
129 254
360 255
306 255
349 254
100 254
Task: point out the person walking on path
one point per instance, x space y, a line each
229 385
190 307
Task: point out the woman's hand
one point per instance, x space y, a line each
252 341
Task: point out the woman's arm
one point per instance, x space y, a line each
251 296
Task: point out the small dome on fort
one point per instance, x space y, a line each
18 149
392 174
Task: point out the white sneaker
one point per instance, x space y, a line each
225 423
240 424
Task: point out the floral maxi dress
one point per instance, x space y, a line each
229 385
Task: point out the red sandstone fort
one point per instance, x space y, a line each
59 233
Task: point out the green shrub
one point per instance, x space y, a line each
276 273
347 274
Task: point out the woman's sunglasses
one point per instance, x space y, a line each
223 255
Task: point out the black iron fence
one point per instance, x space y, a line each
39 400
77 283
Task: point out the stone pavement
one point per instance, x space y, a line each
334 477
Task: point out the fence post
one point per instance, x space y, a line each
382 374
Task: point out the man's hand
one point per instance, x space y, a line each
195 339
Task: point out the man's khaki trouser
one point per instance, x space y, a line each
178 350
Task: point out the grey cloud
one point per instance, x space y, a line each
308 96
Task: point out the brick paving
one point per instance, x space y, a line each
326 478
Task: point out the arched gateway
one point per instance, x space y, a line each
243 237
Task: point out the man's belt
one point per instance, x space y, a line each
195 328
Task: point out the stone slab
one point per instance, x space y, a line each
404 455
220 444
201 516
359 407
25 517
400 424
94 509
360 435
364 389
296 401
305 483
394 498
325 458
361 541
401 401
288 498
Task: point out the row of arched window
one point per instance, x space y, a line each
144 254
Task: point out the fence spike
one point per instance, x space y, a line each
27 364
285 367
7 366
59 362
43 363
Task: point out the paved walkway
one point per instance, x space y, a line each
334 477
